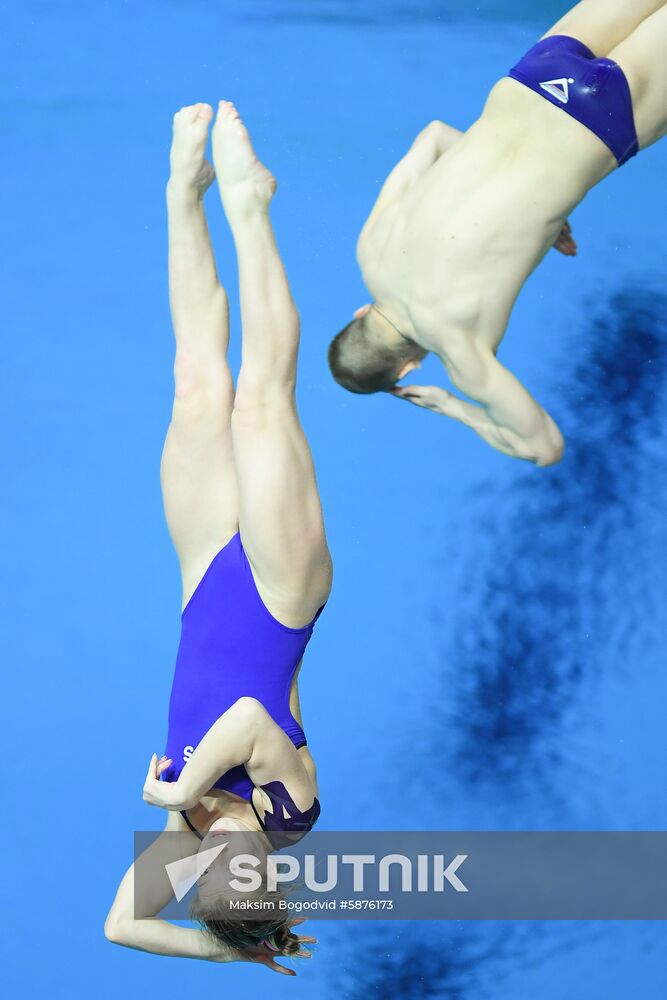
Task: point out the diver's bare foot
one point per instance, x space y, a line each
191 173
245 183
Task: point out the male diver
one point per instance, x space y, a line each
464 218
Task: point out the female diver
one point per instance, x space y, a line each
244 514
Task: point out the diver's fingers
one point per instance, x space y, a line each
306 940
271 964
163 765
431 397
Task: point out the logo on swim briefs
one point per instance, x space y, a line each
188 752
560 89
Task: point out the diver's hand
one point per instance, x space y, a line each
262 956
430 397
565 243
160 793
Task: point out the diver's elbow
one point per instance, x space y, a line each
116 929
550 453
549 444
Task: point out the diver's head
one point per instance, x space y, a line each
271 934
215 907
370 354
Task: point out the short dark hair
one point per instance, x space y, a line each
361 362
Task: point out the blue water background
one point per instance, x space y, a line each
493 652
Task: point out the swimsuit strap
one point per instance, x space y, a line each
193 828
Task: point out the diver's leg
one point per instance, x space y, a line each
603 24
279 506
197 472
642 59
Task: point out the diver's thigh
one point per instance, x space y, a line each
603 24
642 57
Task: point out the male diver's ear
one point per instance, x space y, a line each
362 311
408 367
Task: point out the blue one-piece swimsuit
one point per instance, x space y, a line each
231 646
594 91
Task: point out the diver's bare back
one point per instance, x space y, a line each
457 246
463 220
